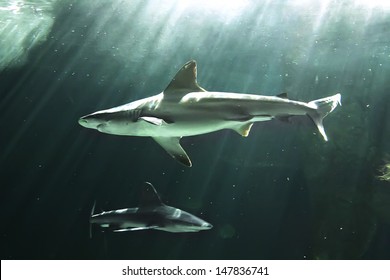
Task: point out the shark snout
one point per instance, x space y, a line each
90 121
206 225
83 121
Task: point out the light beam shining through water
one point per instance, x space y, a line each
23 25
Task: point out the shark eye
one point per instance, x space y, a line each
177 213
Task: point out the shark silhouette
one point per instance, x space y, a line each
151 213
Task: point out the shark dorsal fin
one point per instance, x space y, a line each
184 81
149 196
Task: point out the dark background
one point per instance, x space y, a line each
281 193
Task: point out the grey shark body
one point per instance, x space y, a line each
151 213
186 109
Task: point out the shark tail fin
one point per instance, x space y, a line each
90 224
322 108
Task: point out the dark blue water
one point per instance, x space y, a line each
281 193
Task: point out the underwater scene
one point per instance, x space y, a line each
184 129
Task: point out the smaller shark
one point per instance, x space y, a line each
151 213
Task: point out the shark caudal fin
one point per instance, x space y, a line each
92 213
322 108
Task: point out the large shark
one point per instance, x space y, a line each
185 109
151 213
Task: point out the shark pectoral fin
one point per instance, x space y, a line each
134 229
172 146
153 120
243 129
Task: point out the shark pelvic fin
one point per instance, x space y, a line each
184 81
149 196
282 95
134 229
243 129
172 146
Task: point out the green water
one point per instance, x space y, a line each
281 193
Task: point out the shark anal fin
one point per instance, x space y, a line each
172 146
134 229
243 129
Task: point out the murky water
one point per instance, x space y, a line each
280 193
